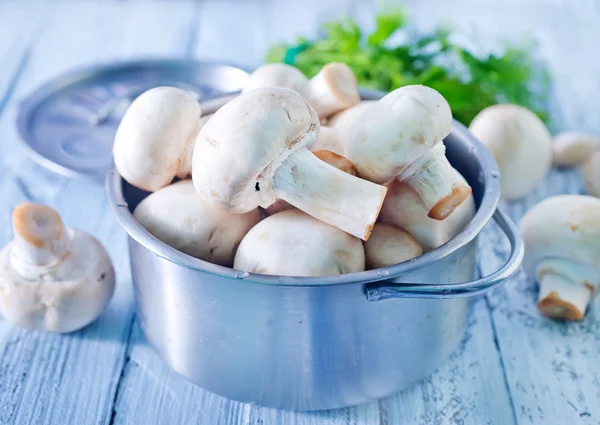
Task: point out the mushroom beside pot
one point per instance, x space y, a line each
179 217
389 245
155 138
292 243
562 247
573 148
332 90
404 209
52 278
591 174
400 137
519 142
253 152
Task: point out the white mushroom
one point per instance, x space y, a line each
344 119
329 140
403 208
179 217
154 141
389 245
562 247
52 278
292 243
591 174
333 89
401 136
329 157
573 148
519 142
252 152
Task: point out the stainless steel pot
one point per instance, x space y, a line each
314 343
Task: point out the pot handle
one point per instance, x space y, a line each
382 290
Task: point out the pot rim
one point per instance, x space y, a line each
490 198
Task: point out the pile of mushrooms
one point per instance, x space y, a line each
289 178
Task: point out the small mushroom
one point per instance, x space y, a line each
344 119
292 243
333 89
154 141
562 247
591 174
519 142
401 136
389 245
179 217
404 209
573 148
52 278
329 157
329 140
253 152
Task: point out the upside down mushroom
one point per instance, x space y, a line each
562 247
292 243
333 89
401 136
519 142
253 152
389 245
52 278
404 209
179 217
155 137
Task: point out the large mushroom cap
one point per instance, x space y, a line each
519 142
245 137
292 243
389 245
396 130
277 75
154 137
179 217
403 208
52 278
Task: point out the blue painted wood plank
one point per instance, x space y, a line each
46 378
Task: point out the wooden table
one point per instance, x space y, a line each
513 367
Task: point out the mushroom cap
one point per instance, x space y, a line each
389 245
154 135
519 142
292 243
179 217
246 139
62 297
344 119
572 148
396 130
591 174
277 75
563 226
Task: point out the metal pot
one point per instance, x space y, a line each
316 342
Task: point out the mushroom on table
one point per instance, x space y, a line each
155 137
519 142
292 243
179 217
562 247
253 152
591 174
573 148
52 278
403 208
400 137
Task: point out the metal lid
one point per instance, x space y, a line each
68 125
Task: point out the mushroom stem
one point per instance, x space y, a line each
436 182
332 89
566 288
331 195
41 238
